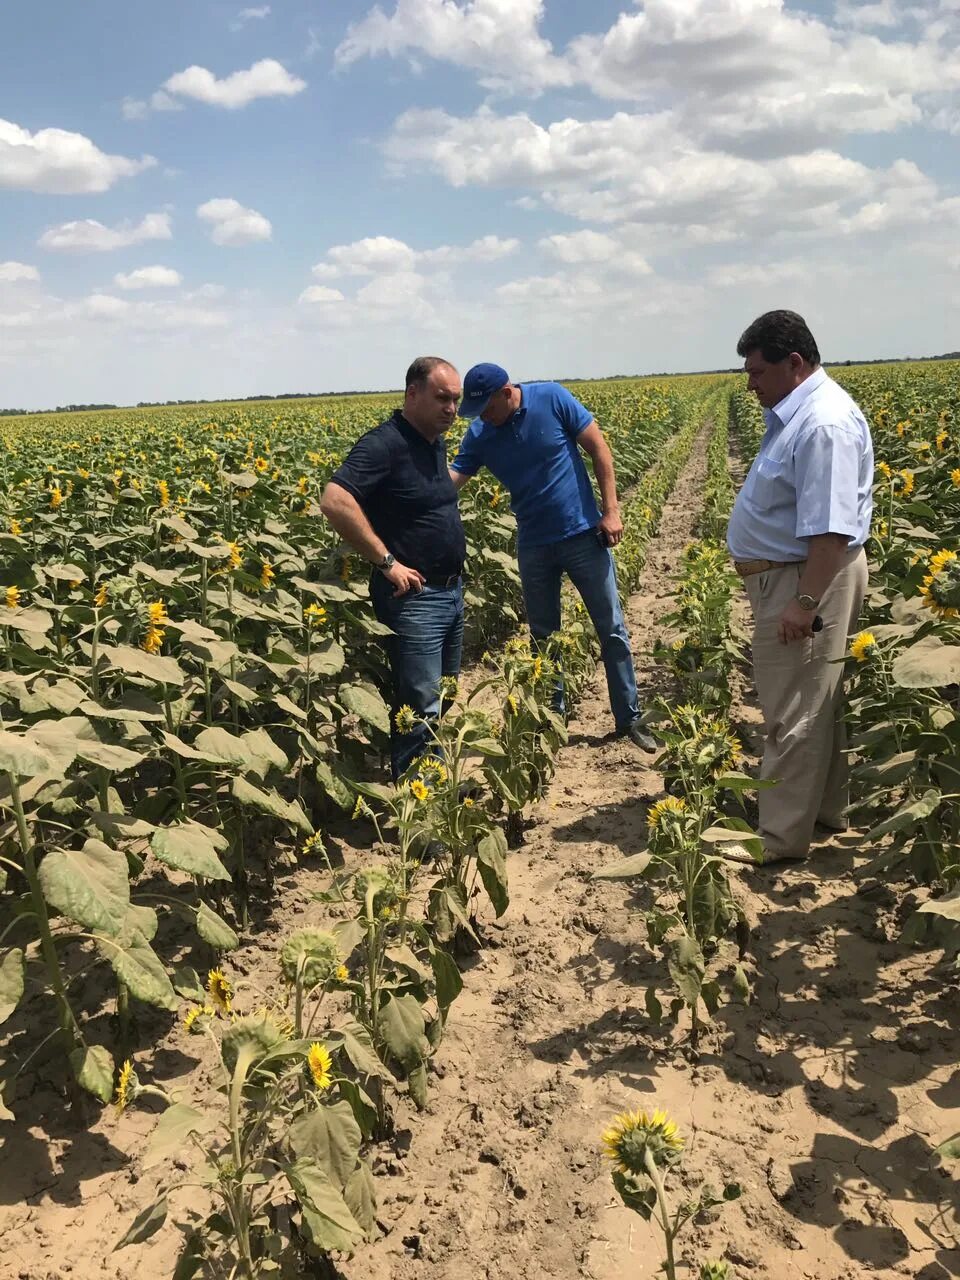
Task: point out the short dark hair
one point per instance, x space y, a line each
776 334
421 369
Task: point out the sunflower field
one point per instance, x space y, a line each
194 707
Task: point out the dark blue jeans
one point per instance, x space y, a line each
591 570
426 644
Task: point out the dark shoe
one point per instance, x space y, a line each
637 734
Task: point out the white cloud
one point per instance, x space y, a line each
321 293
485 249
367 257
58 162
645 169
383 255
232 225
148 278
90 236
136 109
250 15
103 306
14 272
599 249
265 79
499 39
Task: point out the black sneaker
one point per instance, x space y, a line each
638 734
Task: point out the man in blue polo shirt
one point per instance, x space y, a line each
392 500
529 435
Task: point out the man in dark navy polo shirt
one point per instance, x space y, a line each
392 499
530 435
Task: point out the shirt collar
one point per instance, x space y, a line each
781 413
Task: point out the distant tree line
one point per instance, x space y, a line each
327 395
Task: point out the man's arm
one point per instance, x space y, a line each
827 461
459 478
592 441
344 513
826 553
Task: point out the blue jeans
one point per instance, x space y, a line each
426 644
591 570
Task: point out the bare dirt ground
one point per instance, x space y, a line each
823 1097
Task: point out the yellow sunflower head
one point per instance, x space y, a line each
941 586
863 646
634 1134
219 990
320 1065
671 807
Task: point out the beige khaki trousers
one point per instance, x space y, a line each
800 686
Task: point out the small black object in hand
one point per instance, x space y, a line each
817 624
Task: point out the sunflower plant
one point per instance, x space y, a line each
279 1163
646 1148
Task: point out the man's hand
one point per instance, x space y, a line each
611 526
403 579
795 623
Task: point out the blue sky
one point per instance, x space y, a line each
305 196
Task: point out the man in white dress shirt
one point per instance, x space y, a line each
796 534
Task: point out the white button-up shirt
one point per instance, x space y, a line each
813 474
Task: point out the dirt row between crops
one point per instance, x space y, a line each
822 1098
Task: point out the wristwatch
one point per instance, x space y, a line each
807 603
387 563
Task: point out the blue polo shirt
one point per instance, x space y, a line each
534 455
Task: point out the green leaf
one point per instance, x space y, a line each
186 847
265 751
948 907
402 1027
217 744
358 1047
89 886
908 815
365 702
24 759
137 662
172 1131
139 968
949 1149
685 962
327 659
93 1068
122 825
740 985
326 1216
492 865
330 1137
333 785
360 1193
186 983
417 1085
928 664
626 868
108 755
214 930
147 1223
33 621
11 982
272 803
446 977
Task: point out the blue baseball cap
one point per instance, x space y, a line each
478 386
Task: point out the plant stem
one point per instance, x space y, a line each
71 1031
670 1266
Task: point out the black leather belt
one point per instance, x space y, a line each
451 581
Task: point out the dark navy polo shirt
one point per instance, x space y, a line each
535 457
403 485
